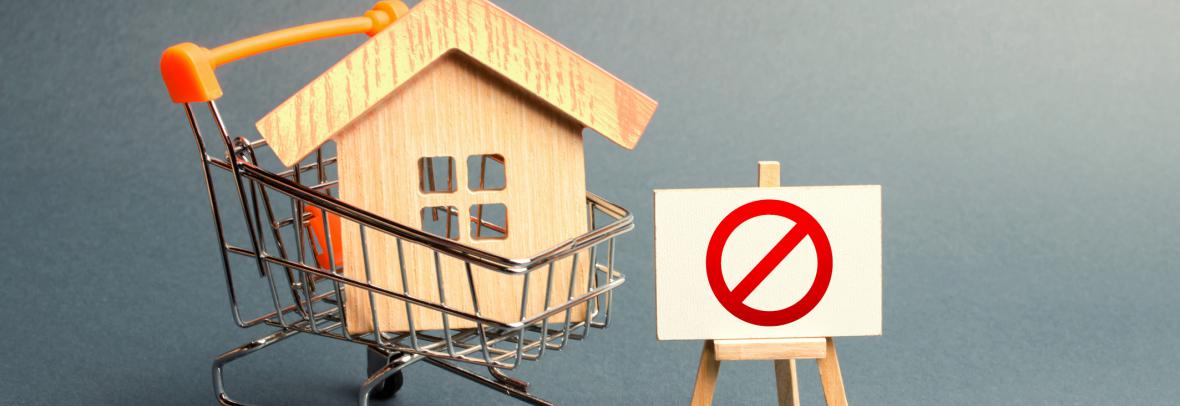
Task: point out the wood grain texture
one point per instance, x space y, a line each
706 380
504 44
457 108
830 376
768 174
786 382
774 348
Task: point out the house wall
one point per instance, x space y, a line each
457 108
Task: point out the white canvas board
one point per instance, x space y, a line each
773 306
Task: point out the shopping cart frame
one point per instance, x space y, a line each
248 177
283 249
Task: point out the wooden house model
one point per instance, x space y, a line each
464 120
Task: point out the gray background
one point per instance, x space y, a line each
1026 150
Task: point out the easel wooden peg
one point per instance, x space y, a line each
783 351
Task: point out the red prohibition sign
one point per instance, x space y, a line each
805 226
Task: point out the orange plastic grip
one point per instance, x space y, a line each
316 226
188 68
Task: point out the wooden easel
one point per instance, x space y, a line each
783 351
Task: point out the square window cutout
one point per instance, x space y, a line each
489 221
486 172
442 221
436 174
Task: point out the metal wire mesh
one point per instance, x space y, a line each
308 287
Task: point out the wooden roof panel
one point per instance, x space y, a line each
504 44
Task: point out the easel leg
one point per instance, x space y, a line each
829 375
788 385
702 392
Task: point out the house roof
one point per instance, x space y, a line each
504 44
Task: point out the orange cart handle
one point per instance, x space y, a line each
188 68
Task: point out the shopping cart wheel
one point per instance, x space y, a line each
388 388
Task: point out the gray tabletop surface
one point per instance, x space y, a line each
1027 152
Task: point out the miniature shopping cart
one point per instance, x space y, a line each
272 226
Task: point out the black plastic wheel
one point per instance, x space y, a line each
388 388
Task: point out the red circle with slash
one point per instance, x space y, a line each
805 226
